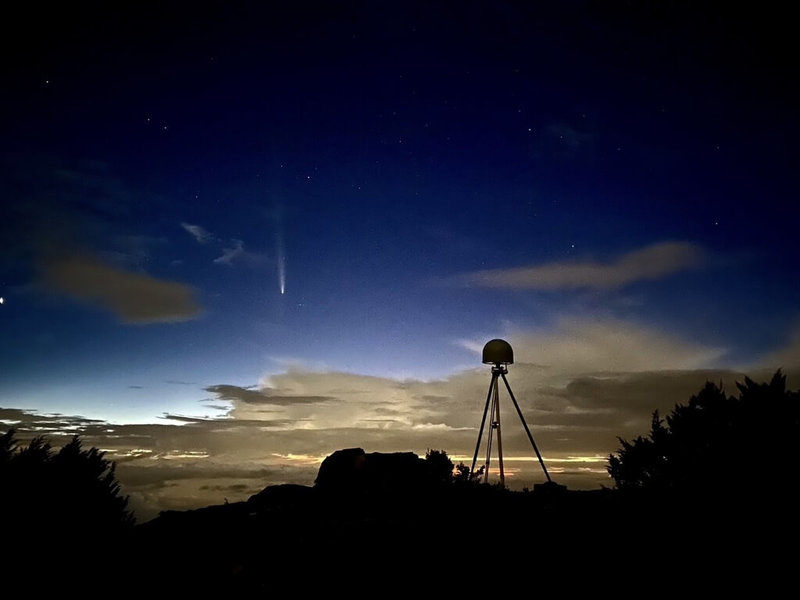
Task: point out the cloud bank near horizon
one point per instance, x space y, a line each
280 429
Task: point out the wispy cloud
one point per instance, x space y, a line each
198 233
231 254
648 263
234 253
237 254
135 298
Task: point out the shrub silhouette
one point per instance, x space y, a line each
69 492
464 475
715 441
441 470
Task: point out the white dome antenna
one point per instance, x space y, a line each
499 354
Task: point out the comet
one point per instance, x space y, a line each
280 250
281 264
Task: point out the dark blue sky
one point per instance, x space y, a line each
419 177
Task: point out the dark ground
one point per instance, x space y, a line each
464 539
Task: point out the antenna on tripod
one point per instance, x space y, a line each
499 354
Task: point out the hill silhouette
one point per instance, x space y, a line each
375 514
677 511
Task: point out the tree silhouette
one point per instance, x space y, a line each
69 492
439 466
715 441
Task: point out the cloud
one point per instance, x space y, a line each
585 345
198 233
49 422
648 263
231 254
627 394
180 466
235 487
135 298
264 396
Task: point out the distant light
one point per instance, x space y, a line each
2 300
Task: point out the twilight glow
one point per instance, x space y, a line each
611 190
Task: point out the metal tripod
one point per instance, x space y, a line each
500 370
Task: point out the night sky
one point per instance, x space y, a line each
238 239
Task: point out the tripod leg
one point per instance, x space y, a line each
490 436
499 440
525 425
492 386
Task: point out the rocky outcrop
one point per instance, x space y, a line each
353 470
